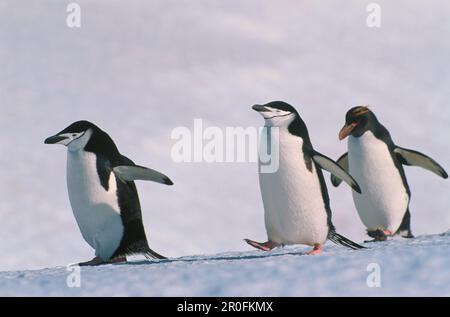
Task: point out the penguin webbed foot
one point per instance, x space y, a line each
263 246
316 250
378 235
98 261
94 262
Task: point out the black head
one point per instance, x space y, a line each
84 135
277 113
80 126
357 121
282 114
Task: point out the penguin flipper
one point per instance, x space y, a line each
129 173
329 165
414 158
342 162
339 239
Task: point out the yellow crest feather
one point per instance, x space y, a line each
359 111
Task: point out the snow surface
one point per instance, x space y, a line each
417 267
142 68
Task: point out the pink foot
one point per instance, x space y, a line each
266 246
317 249
387 232
379 234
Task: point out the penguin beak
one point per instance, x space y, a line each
346 130
260 108
55 139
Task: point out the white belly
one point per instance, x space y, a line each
384 199
95 209
294 209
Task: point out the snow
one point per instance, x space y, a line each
142 69
415 267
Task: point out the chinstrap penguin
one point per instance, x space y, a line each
376 163
295 197
103 194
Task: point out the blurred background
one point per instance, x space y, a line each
139 69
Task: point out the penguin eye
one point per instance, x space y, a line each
74 134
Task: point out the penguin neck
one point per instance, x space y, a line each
101 144
377 129
298 128
295 137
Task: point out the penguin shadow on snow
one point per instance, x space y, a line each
275 253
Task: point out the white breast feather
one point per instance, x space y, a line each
96 210
294 209
384 199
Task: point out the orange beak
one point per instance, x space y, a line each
346 130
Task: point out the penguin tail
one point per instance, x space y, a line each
150 254
338 239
